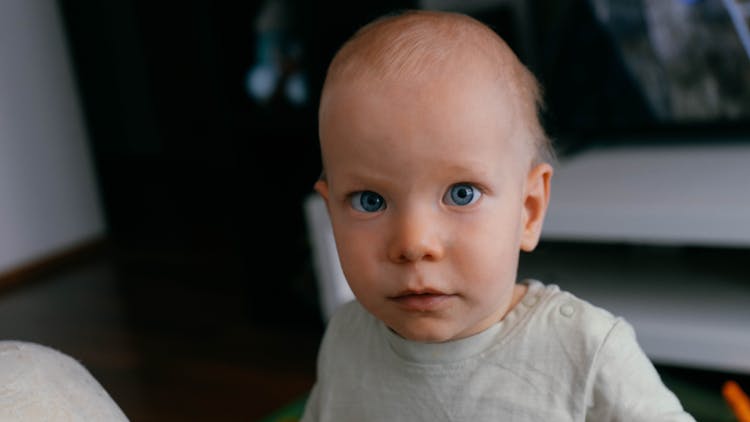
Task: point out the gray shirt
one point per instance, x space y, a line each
554 357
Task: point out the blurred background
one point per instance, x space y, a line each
156 159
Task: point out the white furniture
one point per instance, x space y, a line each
694 194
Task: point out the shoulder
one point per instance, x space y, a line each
564 311
348 309
349 324
619 377
350 315
575 327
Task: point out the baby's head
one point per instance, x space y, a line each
418 47
436 171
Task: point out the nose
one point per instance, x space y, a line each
416 236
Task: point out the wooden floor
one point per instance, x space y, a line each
166 335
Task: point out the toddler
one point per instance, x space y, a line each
436 176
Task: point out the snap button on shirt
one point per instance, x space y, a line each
567 310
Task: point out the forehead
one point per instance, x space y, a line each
461 95
457 61
455 121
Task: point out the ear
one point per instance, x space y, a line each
535 202
321 186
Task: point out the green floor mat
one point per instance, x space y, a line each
292 412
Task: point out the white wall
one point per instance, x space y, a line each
48 193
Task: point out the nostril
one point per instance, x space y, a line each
413 255
405 256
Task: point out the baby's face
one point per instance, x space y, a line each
425 186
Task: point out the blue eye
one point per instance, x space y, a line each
367 201
462 194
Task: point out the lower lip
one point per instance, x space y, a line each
423 303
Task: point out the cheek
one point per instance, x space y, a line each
352 254
489 247
494 230
358 252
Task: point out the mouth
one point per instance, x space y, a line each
422 300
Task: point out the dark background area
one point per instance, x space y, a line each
185 158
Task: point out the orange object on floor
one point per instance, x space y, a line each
737 400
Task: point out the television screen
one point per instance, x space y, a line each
643 69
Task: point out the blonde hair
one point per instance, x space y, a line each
415 42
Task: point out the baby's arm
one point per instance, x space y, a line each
626 386
41 384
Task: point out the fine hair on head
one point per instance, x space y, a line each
424 43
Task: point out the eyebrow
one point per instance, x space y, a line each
359 179
474 170
461 172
